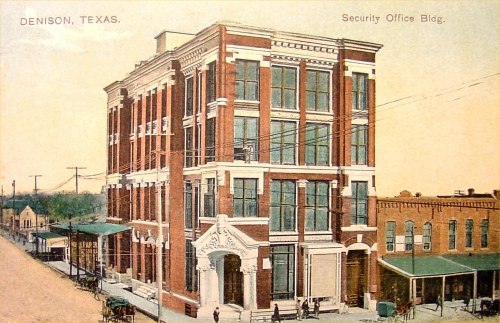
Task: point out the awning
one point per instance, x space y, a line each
479 262
97 229
46 235
427 266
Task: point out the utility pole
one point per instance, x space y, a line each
159 244
76 175
1 214
36 213
14 205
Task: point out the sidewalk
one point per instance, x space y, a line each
147 307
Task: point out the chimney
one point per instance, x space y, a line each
170 40
161 42
470 191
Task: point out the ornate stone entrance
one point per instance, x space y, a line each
227 262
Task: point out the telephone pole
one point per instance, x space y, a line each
76 168
36 212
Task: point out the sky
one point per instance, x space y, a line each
437 96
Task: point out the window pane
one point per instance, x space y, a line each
323 82
322 219
240 70
238 207
311 101
354 98
274 221
251 91
322 102
276 77
311 81
290 78
290 99
238 188
239 90
310 219
252 71
276 97
289 218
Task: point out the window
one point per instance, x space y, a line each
284 87
246 132
189 98
210 83
427 237
210 141
484 233
209 202
359 89
317 201
283 275
247 80
317 144
196 209
283 142
317 90
469 228
245 197
359 202
197 157
190 270
390 234
409 234
283 206
452 235
359 137
198 93
188 205
188 135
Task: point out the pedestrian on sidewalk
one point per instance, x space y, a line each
299 312
216 315
439 302
305 309
316 308
276 315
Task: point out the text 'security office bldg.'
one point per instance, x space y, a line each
259 145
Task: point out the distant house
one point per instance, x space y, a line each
24 217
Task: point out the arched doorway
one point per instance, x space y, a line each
233 280
356 266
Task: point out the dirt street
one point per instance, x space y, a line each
32 292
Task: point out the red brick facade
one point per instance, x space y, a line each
160 143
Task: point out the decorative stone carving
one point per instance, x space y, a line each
223 239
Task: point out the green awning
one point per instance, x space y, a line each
47 235
425 266
479 262
97 229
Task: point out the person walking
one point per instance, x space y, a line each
276 315
439 302
298 309
216 315
305 309
316 308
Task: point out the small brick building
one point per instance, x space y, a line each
445 245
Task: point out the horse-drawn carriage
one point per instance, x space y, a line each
117 309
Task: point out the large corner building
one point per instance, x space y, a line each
256 149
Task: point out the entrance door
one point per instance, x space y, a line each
233 280
356 277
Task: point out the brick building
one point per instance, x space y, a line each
256 148
445 245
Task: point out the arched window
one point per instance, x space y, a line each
484 233
390 235
427 237
469 228
408 235
452 234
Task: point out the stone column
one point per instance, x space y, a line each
204 268
249 270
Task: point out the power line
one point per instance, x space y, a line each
76 175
